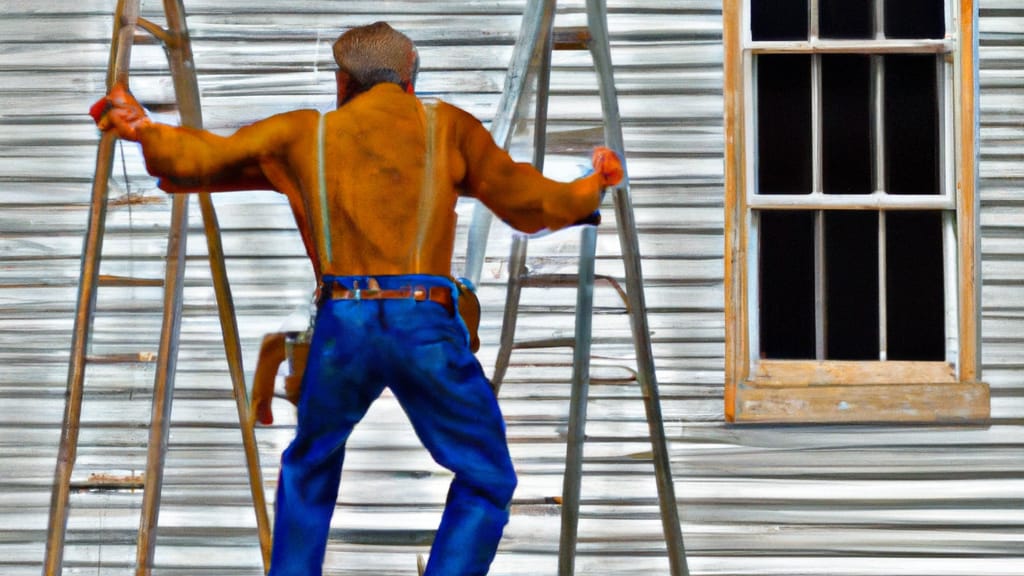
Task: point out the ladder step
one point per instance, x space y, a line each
556 342
128 281
535 280
109 482
128 358
570 280
571 38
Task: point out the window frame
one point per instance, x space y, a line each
759 390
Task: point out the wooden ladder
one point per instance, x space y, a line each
176 43
532 59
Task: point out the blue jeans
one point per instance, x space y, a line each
420 350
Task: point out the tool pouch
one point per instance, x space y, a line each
276 349
297 352
469 311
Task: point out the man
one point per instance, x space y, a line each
373 185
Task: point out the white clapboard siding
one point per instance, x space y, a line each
761 500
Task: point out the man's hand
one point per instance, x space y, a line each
273 352
119 111
607 164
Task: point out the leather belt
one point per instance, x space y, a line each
439 294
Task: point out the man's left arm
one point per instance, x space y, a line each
522 196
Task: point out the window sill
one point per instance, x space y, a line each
858 392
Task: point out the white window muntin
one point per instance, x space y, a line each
879 200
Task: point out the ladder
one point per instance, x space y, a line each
532 57
175 40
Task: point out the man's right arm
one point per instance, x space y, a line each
191 160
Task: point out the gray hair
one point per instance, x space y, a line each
377 53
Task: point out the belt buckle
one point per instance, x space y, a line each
370 293
365 293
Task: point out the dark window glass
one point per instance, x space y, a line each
778 19
845 19
784 124
911 124
851 285
914 19
914 287
846 124
787 284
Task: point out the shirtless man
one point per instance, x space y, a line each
373 186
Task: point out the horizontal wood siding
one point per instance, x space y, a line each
761 500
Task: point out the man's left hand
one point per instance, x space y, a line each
606 163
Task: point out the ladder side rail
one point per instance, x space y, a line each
80 340
578 398
517 257
126 14
177 47
537 20
510 315
163 386
126 17
233 350
601 51
671 523
542 94
182 68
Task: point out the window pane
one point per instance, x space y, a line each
846 123
778 19
783 124
851 278
845 18
914 19
787 285
911 124
914 290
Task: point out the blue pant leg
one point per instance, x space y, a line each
337 390
453 409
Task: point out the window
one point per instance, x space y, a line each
851 215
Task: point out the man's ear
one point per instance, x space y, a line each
345 86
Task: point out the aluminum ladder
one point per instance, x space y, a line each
532 58
176 43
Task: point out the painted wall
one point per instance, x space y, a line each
257 58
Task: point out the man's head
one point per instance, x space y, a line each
369 55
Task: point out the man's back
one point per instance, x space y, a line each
385 213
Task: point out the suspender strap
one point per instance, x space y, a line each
428 194
321 183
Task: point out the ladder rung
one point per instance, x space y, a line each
570 280
535 280
129 358
135 199
128 281
105 482
557 342
162 107
142 38
571 38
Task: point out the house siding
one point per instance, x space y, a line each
754 500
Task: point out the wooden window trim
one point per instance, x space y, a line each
834 391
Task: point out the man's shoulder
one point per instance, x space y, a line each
450 111
293 120
305 115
